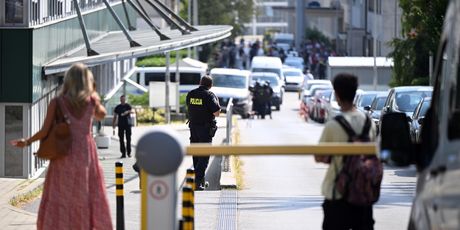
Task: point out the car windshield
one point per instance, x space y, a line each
407 101
273 81
311 85
228 81
297 65
292 74
366 100
380 103
425 106
266 70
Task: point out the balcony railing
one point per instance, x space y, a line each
24 13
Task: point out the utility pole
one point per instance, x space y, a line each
177 68
195 23
189 20
167 80
300 23
374 49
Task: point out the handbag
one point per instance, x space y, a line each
58 141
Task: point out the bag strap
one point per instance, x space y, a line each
346 127
60 115
349 130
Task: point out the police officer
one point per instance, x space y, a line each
203 106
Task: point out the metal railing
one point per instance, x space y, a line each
42 11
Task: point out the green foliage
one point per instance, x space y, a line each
140 100
225 12
159 60
144 115
316 35
421 23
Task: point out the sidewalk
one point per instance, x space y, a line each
25 219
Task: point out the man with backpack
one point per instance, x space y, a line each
352 183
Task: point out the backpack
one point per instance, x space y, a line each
361 176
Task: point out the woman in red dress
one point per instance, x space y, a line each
74 195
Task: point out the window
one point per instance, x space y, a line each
14 11
13 130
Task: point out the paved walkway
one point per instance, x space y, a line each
25 218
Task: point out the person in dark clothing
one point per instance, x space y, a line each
121 117
258 100
202 106
267 98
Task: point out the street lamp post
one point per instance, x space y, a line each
375 45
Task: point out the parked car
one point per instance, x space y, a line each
322 103
232 83
417 118
405 99
333 108
309 84
376 107
364 98
436 202
294 78
275 83
308 102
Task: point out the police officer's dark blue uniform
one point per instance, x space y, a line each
203 106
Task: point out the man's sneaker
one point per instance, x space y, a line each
205 184
202 186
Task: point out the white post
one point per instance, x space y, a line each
375 45
178 82
254 19
160 153
189 20
167 80
177 67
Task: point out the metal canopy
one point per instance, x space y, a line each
114 46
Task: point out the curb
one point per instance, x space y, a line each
228 178
34 184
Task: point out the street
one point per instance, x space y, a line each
283 192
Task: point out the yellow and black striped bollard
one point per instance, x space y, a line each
187 208
120 195
190 178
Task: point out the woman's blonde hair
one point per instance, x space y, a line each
78 85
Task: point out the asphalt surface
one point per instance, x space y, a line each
283 192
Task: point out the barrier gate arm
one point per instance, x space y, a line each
336 149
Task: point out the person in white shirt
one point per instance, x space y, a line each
338 213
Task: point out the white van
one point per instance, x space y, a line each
189 76
232 83
262 64
437 200
284 40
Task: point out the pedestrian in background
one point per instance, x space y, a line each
122 117
202 106
338 212
74 195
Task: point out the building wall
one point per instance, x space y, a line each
24 90
365 76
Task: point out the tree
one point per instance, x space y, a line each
421 23
222 12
